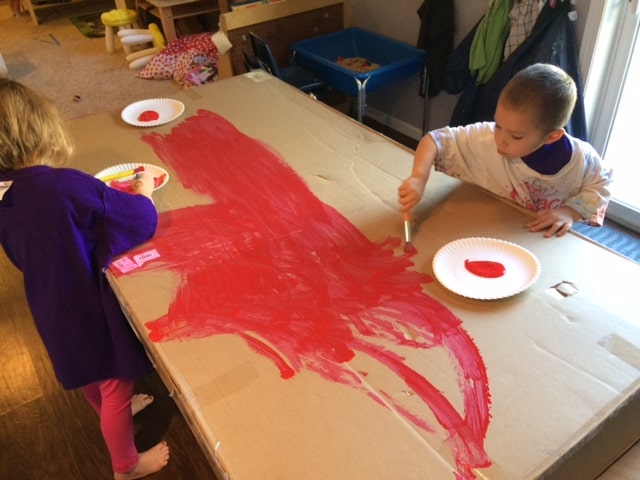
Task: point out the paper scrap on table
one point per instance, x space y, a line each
127 264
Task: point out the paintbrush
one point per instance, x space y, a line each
126 173
408 246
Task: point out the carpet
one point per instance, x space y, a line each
74 71
89 25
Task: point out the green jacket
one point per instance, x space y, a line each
487 48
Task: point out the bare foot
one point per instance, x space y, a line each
150 462
139 402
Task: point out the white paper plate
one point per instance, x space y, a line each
167 109
521 267
154 170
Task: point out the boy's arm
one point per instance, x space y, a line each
411 190
592 201
593 198
556 221
588 206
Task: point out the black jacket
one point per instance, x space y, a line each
436 37
552 40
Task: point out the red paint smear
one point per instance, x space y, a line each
415 419
409 248
485 268
269 262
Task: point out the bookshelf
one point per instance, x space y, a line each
244 4
168 11
32 6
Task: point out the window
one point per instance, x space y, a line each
612 100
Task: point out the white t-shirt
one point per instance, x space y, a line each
470 154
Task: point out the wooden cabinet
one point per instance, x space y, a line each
168 11
280 24
33 6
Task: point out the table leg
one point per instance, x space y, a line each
29 7
362 96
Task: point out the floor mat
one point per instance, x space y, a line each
89 24
614 238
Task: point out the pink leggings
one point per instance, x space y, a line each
112 400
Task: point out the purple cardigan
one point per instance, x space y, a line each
62 228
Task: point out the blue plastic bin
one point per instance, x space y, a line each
397 60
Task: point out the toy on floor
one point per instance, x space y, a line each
189 60
138 36
117 19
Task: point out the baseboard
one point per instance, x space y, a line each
394 123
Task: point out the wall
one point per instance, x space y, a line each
400 106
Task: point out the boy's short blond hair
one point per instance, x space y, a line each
32 131
544 90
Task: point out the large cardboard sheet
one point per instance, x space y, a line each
543 384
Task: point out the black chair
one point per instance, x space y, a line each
299 77
250 62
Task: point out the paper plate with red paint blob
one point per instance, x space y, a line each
120 176
152 112
485 268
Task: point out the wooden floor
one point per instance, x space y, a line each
626 468
49 433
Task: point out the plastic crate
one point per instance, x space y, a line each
397 60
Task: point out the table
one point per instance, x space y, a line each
300 342
397 61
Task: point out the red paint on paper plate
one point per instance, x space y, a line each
268 262
148 116
485 268
125 186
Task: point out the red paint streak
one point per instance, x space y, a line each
409 248
148 116
415 419
485 268
269 262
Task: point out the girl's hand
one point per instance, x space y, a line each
557 221
143 184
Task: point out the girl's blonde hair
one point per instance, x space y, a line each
32 131
544 90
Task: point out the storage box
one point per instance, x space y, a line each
397 60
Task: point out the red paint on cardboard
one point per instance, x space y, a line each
269 262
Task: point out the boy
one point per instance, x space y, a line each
524 155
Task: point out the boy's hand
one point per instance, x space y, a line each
557 221
410 192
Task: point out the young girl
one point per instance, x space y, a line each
61 228
525 155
